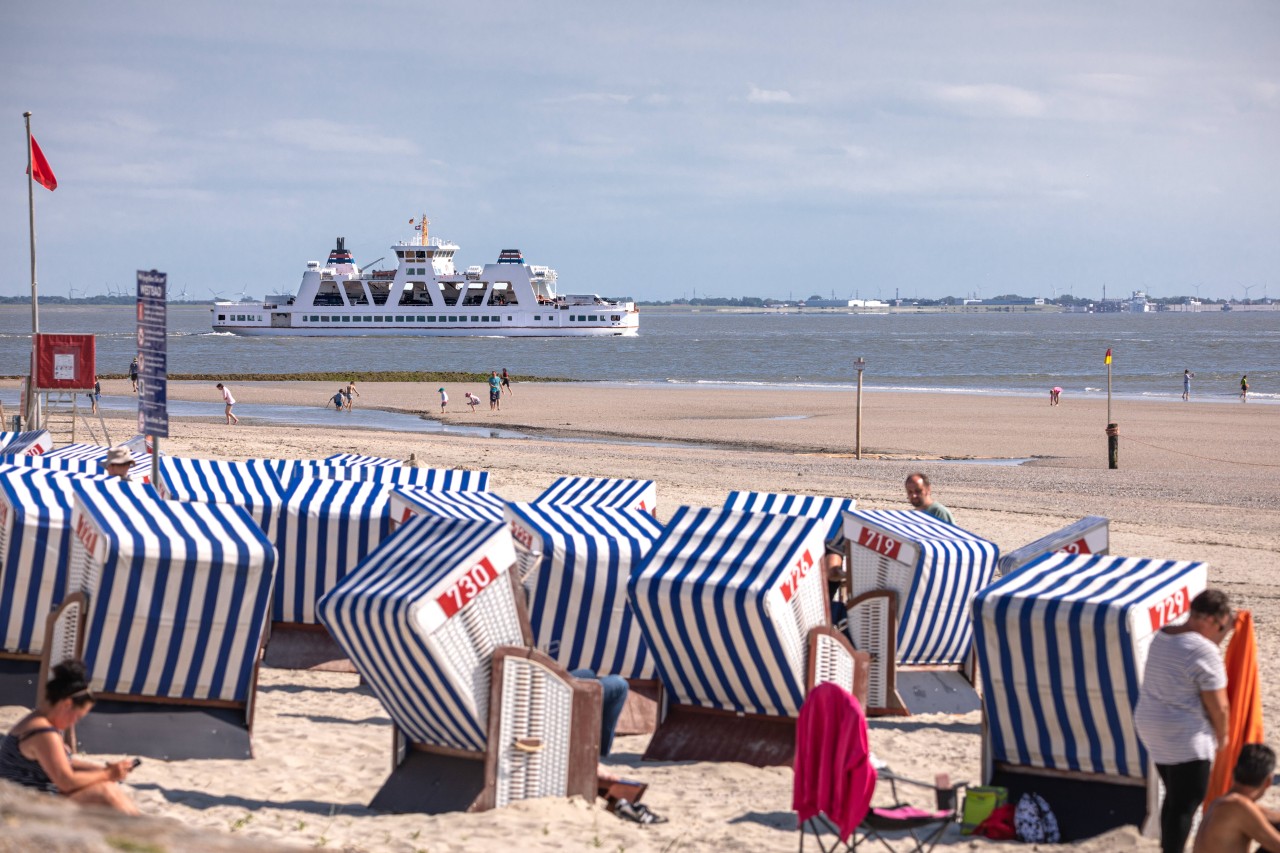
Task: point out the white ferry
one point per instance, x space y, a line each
426 295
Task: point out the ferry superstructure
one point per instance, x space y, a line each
426 295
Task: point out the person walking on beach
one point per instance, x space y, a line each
495 392
1182 713
350 389
95 396
1187 376
506 381
920 494
133 373
444 399
1244 388
1235 819
230 401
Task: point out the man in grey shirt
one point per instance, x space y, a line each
920 494
1182 710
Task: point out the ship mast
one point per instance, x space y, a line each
425 222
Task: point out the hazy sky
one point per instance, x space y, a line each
654 149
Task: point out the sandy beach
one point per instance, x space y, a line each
1196 481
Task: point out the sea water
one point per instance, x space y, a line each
962 353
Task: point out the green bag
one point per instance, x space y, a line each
979 803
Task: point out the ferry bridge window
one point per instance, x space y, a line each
615 318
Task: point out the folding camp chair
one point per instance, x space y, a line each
828 709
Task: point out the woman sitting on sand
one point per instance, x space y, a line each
35 755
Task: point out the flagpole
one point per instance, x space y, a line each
33 402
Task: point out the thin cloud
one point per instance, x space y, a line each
335 138
770 96
990 99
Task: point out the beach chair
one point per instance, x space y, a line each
35 546
735 613
1089 535
602 491
250 485
1062 646
361 459
434 621
440 479
574 562
92 459
32 443
912 579
325 528
410 501
836 777
168 614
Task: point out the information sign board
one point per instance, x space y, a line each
153 367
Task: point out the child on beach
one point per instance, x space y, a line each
1055 393
339 400
472 401
348 391
444 400
229 401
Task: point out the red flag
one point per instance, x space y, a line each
1107 360
40 170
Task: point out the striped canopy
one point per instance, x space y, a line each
601 491
1062 644
92 459
578 588
35 548
934 567
31 443
408 501
420 618
361 459
177 593
830 510
325 528
1089 535
452 479
726 601
251 485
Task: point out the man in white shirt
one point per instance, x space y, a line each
230 401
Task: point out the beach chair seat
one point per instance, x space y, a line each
168 614
728 602
1089 535
911 581
836 777
1062 645
602 491
434 621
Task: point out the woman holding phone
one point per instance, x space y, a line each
34 753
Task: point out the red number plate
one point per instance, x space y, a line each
881 543
468 587
1164 612
798 572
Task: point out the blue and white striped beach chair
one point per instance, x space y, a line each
441 479
325 528
734 609
410 501
602 491
1062 645
362 459
251 485
86 459
434 622
168 615
35 546
912 579
1089 535
32 443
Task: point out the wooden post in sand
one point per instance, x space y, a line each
860 365
1113 429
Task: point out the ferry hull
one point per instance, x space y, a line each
497 332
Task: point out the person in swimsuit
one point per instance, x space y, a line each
35 755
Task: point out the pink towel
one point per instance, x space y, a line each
833 772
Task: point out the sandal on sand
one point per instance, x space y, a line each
636 813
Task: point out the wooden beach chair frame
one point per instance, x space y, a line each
159 727
431 779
